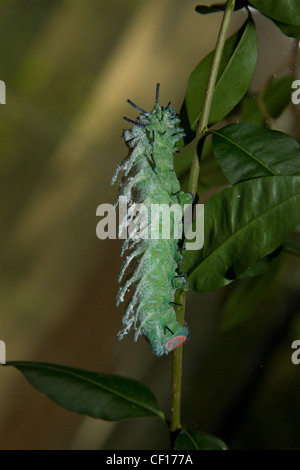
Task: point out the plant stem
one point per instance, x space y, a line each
209 93
177 373
175 423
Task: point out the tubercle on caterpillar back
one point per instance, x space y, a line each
149 178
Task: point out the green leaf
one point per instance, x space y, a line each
103 396
195 440
234 77
278 96
289 30
261 266
282 14
275 99
287 11
242 224
183 160
247 151
292 247
246 298
250 111
217 7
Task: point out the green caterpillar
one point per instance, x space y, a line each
149 178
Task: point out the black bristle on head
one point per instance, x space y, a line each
157 93
168 105
134 122
137 107
169 329
154 162
193 197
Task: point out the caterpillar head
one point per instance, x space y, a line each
177 339
164 339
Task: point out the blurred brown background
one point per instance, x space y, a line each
69 67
